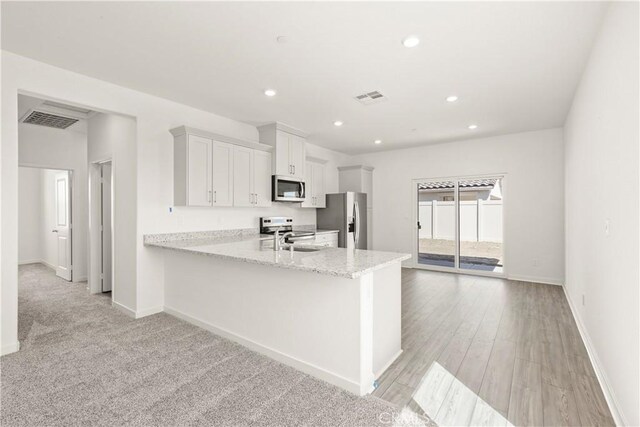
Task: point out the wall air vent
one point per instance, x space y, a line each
370 98
42 118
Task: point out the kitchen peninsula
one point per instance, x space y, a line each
333 313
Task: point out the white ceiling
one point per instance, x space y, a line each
515 66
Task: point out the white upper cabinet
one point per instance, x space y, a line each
222 174
192 171
297 155
282 165
319 188
252 177
315 185
215 170
262 178
198 171
242 176
290 151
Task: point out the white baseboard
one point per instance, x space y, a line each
148 311
609 395
29 261
298 364
126 310
386 365
51 266
37 261
80 279
10 348
534 279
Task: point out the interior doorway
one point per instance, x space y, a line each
106 234
459 224
101 227
45 223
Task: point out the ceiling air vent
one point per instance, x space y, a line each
42 118
370 98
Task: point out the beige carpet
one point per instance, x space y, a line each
84 363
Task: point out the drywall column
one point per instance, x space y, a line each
113 137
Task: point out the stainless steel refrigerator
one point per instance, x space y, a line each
347 213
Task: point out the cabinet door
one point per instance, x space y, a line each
282 163
319 191
262 178
297 155
198 171
222 165
242 176
308 189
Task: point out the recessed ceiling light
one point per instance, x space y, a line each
377 141
338 123
411 41
472 127
452 98
270 92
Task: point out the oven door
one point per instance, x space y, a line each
287 189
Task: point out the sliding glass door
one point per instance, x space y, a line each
460 224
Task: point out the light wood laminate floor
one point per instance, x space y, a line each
485 351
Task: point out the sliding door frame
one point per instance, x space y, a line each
415 209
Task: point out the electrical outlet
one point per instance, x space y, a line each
535 262
583 300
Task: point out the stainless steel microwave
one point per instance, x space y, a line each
287 189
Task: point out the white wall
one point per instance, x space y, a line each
61 149
151 189
601 158
29 208
113 137
533 192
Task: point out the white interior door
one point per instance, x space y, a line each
106 226
63 225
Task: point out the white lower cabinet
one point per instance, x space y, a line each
251 177
329 240
315 185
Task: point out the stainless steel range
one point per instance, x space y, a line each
281 227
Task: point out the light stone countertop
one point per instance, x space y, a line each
258 249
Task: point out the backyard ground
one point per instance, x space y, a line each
480 253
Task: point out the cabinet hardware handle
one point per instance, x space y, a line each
256 195
215 196
294 169
209 196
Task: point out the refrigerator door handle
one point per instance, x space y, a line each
356 223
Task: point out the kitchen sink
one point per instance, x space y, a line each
303 248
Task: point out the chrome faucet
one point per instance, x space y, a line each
277 240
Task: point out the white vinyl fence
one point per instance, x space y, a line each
480 220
